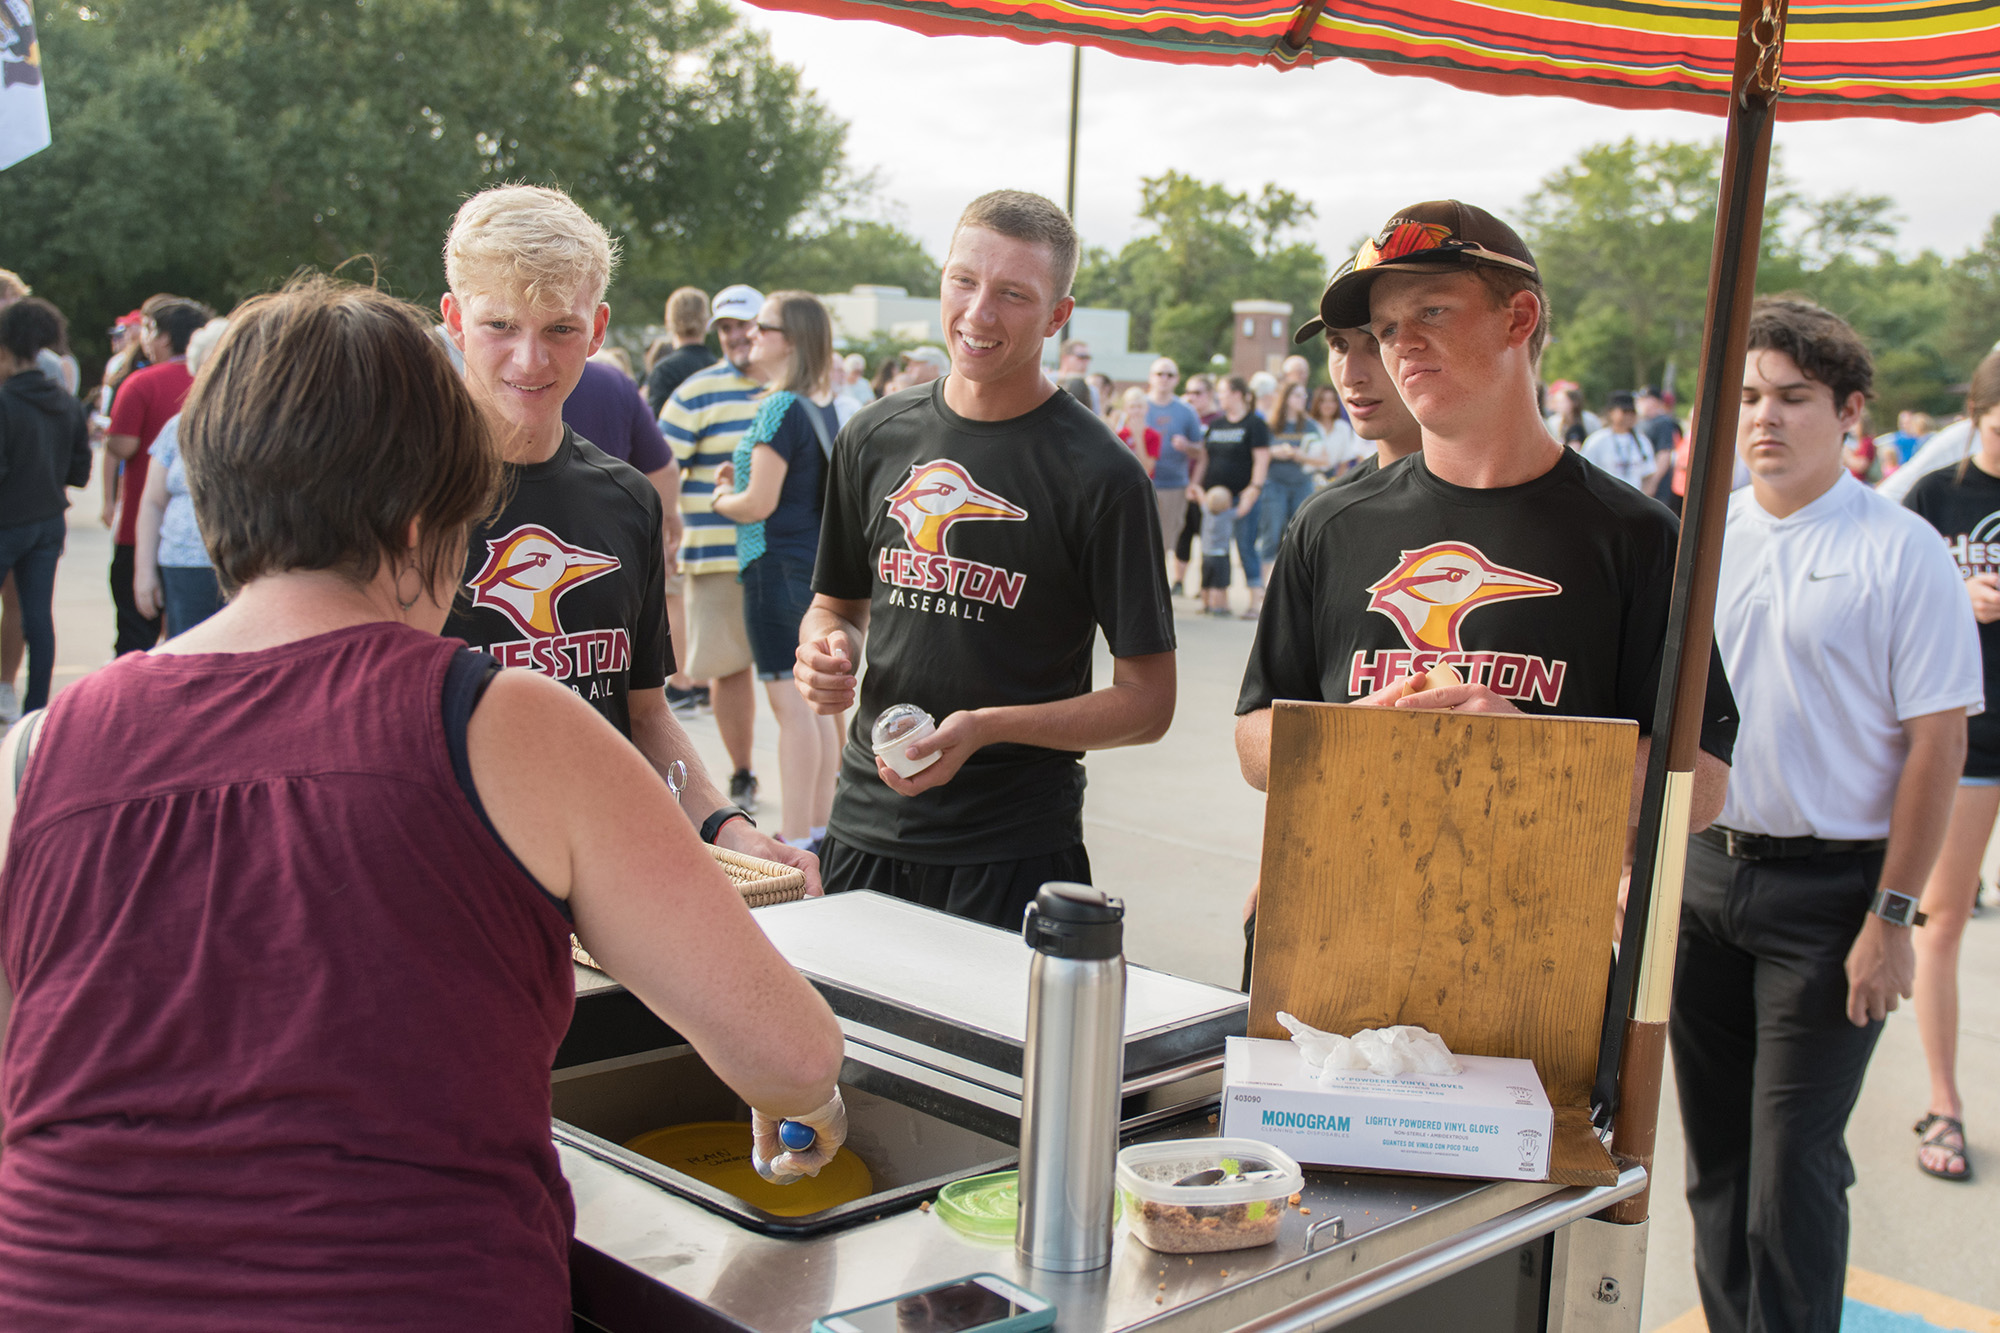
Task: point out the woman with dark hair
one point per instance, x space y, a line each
1239 455
44 449
286 907
773 489
1963 504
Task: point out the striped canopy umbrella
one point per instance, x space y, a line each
1908 59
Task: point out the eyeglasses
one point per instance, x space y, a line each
1423 240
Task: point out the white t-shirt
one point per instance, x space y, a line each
1941 450
1621 453
1836 624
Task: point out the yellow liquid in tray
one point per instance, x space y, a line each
717 1153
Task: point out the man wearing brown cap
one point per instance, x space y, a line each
1541 580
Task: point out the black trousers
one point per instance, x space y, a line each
1768 1069
996 892
136 632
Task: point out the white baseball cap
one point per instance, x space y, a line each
933 357
739 301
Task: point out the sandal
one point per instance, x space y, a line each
1932 1132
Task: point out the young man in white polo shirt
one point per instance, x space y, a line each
1851 648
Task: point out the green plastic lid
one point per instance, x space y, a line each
982 1207
985 1207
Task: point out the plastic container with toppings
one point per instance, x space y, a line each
899 727
1196 1196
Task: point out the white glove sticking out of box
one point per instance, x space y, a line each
781 1166
1396 1050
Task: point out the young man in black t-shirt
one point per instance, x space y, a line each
979 531
1542 581
569 579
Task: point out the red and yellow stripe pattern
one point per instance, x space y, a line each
1908 60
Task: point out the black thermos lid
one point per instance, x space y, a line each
1074 921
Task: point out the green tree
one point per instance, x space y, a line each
840 254
1622 238
1972 315
1209 246
342 127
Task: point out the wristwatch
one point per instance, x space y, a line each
1898 909
723 814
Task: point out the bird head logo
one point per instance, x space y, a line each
527 570
936 495
1430 591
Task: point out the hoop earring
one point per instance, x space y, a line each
411 600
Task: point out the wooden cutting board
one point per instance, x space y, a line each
1457 871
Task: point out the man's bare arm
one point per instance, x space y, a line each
1882 965
667 482
1253 748
658 735
831 639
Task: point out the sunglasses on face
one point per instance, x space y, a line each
768 328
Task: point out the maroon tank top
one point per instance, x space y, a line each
284 1010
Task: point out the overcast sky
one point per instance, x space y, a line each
944 119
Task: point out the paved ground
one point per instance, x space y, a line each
1173 828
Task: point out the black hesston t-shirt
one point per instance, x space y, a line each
1967 513
570 579
990 553
1552 594
1367 467
1229 444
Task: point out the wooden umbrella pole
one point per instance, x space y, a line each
1643 987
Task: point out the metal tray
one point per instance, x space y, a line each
910 1154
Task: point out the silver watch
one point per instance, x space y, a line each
1898 909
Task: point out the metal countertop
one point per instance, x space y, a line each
1400 1233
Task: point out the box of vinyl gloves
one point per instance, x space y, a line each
1491 1119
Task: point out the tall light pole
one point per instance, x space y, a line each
1075 118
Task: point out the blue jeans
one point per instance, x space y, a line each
29 552
1281 499
192 596
1246 541
777 590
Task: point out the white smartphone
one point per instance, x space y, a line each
980 1302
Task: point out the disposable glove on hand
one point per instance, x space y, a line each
780 1165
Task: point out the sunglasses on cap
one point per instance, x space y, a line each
1420 241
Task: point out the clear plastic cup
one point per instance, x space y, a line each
899 727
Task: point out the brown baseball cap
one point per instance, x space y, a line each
1439 233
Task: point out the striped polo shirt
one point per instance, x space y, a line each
701 421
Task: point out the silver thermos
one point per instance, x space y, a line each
1072 1073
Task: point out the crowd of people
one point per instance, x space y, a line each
339 521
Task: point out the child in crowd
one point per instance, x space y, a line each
1218 528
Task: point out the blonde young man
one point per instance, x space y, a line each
569 578
979 531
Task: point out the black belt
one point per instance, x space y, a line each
1764 847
